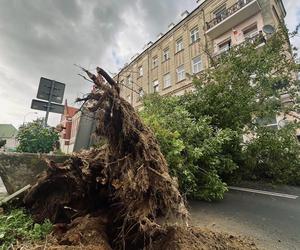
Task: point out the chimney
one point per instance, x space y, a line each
159 35
184 14
171 26
148 45
134 56
200 1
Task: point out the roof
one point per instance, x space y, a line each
71 111
7 131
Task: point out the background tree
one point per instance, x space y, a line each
245 84
35 138
196 153
202 133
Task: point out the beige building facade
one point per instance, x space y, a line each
186 48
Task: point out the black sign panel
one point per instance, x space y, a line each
45 87
41 105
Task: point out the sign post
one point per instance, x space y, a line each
53 92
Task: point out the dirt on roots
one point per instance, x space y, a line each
119 196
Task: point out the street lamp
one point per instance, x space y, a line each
27 115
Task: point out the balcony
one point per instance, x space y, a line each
231 17
258 40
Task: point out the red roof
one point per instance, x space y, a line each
71 111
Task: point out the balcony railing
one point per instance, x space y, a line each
257 40
228 12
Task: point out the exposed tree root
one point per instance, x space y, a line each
120 196
128 177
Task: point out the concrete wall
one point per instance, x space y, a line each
18 170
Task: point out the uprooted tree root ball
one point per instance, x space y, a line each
118 196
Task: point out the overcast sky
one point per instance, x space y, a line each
46 37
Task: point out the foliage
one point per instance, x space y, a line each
196 153
2 143
201 133
245 84
273 156
19 226
35 138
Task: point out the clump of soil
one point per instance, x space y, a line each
120 196
171 238
194 238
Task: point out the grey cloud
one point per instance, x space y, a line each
45 37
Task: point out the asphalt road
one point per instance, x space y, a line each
271 222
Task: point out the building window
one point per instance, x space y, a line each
221 13
268 121
167 80
250 32
166 54
194 35
155 86
141 71
154 62
129 80
224 46
179 45
196 65
180 73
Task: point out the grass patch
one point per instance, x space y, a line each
17 225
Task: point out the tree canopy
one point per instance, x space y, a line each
202 133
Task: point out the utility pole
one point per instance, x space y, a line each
49 104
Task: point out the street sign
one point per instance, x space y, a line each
43 106
45 87
52 92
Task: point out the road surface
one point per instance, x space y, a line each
271 221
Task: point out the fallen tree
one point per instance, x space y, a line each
118 196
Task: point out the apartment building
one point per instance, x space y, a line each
187 47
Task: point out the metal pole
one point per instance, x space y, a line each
49 104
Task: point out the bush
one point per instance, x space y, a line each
35 138
19 226
273 156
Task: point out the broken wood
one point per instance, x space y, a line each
14 195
